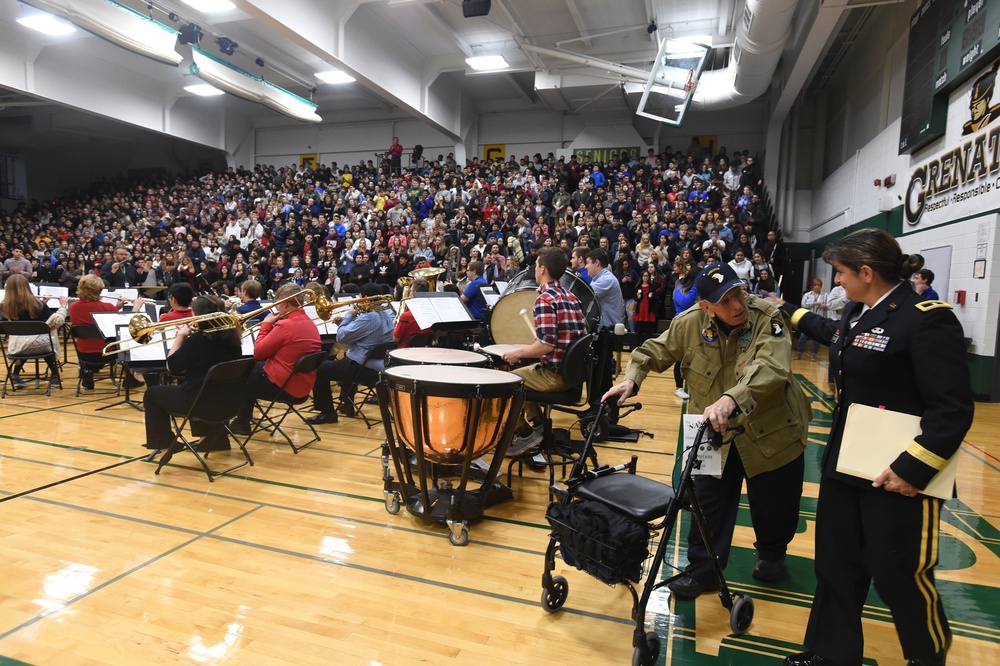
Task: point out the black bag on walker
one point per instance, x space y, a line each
595 539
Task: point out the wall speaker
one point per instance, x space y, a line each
472 8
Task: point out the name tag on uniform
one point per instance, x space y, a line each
871 340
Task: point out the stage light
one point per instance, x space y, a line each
227 46
334 76
204 90
189 34
47 24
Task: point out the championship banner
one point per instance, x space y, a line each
962 180
494 151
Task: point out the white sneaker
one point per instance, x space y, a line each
521 445
682 394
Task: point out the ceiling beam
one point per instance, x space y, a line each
581 25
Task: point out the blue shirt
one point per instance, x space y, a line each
582 272
609 294
364 332
250 306
476 304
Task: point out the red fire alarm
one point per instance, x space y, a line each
878 182
889 181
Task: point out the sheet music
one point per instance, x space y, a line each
247 343
109 321
155 351
429 311
123 294
52 292
491 298
500 285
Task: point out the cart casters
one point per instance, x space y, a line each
647 653
741 614
391 502
601 427
554 595
458 533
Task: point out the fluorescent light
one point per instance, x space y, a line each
204 90
487 63
47 24
210 6
335 76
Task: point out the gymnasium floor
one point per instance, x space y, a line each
295 560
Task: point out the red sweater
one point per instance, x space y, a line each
282 344
79 313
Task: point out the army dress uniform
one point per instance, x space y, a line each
751 364
906 355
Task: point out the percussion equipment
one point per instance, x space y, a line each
496 353
436 356
505 323
447 416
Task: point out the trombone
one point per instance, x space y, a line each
141 329
325 307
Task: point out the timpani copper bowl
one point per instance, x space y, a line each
448 417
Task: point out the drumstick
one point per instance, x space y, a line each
528 320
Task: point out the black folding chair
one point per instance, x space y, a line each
92 332
32 329
305 365
364 391
231 376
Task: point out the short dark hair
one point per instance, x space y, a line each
553 260
926 274
182 293
371 289
600 255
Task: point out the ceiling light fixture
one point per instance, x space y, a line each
488 63
210 6
335 76
204 90
47 24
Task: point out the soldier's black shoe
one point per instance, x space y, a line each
687 587
936 660
768 570
807 659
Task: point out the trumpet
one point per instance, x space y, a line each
141 329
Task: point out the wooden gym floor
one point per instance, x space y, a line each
295 560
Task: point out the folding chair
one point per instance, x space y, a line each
366 392
305 365
92 332
26 328
232 375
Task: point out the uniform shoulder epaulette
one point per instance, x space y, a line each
927 306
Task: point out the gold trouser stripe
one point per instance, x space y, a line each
928 458
799 314
928 556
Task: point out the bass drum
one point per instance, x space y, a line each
505 323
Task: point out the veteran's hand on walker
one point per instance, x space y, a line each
718 413
894 483
624 391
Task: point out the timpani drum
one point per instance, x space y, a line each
448 416
505 323
496 352
436 356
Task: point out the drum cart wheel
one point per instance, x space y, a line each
741 614
648 651
458 532
600 426
392 502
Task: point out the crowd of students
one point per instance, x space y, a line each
355 225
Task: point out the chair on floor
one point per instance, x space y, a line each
577 370
232 376
305 365
365 390
11 359
92 332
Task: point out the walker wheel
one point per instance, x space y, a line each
741 614
459 539
554 597
392 504
601 428
646 655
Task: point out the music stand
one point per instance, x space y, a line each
152 352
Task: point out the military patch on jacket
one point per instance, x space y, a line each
835 336
927 306
871 340
746 336
777 328
708 334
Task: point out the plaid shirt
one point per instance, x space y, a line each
558 321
